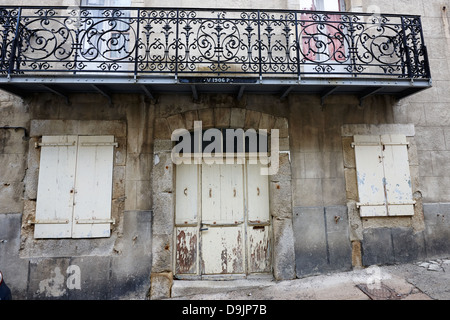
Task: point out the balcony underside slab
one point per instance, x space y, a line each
152 86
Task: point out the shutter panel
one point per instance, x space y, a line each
398 178
210 193
223 250
258 230
232 193
222 194
93 186
258 194
370 176
186 194
55 187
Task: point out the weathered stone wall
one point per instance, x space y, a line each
321 219
217 111
13 164
327 232
118 266
428 112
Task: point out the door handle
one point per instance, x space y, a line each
185 191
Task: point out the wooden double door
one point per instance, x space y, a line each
222 221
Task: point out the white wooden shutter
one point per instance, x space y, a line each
232 193
222 194
210 193
56 187
258 231
397 174
258 194
186 218
370 176
186 194
93 187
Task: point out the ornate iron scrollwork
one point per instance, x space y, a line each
201 41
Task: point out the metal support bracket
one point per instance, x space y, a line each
326 93
367 93
103 93
147 91
57 91
194 92
285 93
240 93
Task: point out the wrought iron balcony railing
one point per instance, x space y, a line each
140 42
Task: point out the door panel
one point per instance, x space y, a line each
223 250
222 215
231 193
213 234
186 219
258 194
186 194
187 250
260 253
210 193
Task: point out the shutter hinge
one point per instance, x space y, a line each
375 144
101 144
54 221
43 144
359 204
94 221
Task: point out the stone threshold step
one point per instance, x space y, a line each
182 288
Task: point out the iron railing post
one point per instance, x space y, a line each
13 58
406 48
426 62
136 45
6 30
297 41
415 50
352 50
177 40
259 45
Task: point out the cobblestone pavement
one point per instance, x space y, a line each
423 280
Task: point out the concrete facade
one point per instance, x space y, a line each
316 224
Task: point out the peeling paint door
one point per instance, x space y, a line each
258 222
222 220
187 219
222 230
